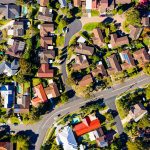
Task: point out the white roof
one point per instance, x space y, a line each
91 136
81 39
10 32
10 42
66 138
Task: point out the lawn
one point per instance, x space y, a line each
90 26
95 13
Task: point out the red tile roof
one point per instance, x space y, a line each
45 72
88 124
40 95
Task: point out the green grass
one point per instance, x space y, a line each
95 13
90 26
36 81
3 22
60 41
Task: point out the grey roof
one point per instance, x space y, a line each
7 1
10 11
63 3
12 68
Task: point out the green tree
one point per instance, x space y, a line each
22 142
136 145
147 69
133 17
148 92
64 98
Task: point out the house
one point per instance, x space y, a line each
118 41
145 21
46 43
123 1
43 3
52 91
127 59
141 56
8 68
7 1
104 5
63 3
17 29
113 65
23 100
45 14
98 38
65 137
76 3
99 70
45 71
98 136
46 29
81 62
84 49
6 146
39 95
86 80
135 32
10 11
46 56
16 49
137 112
88 124
8 95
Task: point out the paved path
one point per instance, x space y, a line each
86 20
46 122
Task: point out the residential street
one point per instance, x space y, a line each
46 122
74 27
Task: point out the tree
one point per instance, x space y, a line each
133 17
136 145
64 98
22 142
147 69
148 92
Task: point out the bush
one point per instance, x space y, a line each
94 12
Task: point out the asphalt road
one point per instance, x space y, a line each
74 27
109 96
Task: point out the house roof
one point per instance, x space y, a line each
86 80
145 21
6 146
16 49
77 3
100 70
127 60
104 5
98 37
66 138
45 29
46 41
9 68
7 92
81 62
88 124
114 65
63 3
13 11
118 41
45 72
7 1
142 56
40 95
46 55
18 28
137 110
84 49
52 91
45 14
44 2
135 32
